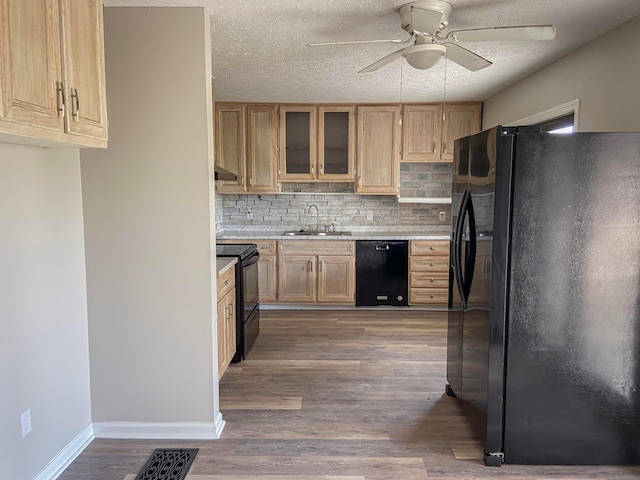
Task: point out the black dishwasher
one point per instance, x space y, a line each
381 272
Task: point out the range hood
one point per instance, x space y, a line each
222 174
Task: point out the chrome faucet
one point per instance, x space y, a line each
317 216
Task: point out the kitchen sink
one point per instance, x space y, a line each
313 233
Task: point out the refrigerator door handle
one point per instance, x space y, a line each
457 244
471 258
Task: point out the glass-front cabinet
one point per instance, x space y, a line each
336 143
317 143
297 143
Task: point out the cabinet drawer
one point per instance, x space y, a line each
265 247
428 280
429 247
428 296
316 247
226 282
428 264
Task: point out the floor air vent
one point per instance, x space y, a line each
168 464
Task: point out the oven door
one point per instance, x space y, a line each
250 284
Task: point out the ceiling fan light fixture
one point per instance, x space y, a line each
424 57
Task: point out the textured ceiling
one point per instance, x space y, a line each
259 54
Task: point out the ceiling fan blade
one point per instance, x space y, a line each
355 42
383 61
425 22
466 58
533 32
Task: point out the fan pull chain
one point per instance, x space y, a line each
401 76
444 90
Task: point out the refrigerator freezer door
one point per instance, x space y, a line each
573 341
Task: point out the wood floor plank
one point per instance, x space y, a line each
337 395
260 403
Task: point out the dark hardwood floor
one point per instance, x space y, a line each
336 394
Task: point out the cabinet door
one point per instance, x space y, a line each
230 140
262 140
222 335
336 143
267 278
30 66
230 334
378 155
298 143
297 278
83 48
421 132
460 120
336 279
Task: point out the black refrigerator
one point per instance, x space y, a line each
543 344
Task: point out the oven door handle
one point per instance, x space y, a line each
250 260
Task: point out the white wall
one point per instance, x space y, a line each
149 228
44 358
603 75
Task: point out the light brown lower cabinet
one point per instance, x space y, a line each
316 271
226 320
429 272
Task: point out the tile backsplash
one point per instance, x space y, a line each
338 204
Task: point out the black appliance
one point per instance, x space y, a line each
548 364
381 272
247 300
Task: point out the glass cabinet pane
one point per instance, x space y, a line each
336 143
298 143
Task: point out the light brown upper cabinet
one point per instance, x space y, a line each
297 143
460 120
421 133
378 153
429 130
262 142
53 81
336 143
317 143
230 145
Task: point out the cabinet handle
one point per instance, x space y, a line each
434 148
431 280
431 296
251 181
226 282
431 264
75 113
321 169
432 248
444 148
320 267
359 181
62 100
310 266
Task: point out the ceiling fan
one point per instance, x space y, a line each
427 20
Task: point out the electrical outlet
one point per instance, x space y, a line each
369 216
249 215
25 422
442 216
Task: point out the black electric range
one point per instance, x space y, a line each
247 300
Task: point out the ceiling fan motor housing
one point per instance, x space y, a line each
437 20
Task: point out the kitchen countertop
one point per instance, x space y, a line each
224 263
355 235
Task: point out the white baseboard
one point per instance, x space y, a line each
160 431
67 455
